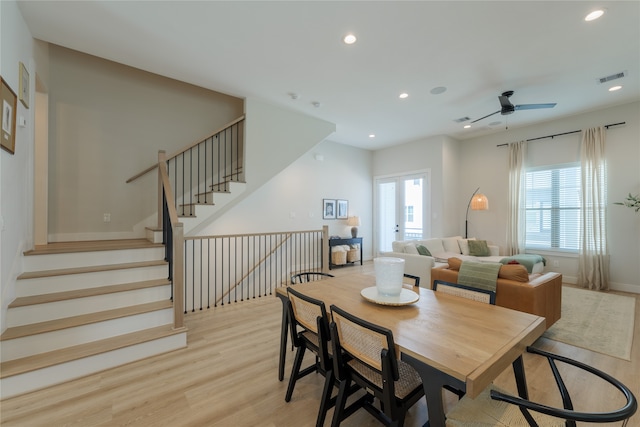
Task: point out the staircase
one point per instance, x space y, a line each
84 307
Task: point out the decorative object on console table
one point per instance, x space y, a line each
351 242
477 202
354 222
342 209
9 107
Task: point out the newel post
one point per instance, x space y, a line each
162 158
178 275
325 249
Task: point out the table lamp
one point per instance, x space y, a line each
354 222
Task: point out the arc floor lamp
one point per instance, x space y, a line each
477 202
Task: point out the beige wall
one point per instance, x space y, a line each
107 123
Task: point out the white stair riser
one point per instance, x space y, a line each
86 259
55 340
72 282
74 307
203 212
24 383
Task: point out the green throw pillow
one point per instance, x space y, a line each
479 248
422 250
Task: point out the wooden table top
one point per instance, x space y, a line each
473 342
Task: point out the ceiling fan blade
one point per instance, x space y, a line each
534 106
488 115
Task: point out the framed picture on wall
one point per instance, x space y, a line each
9 103
24 85
328 209
343 209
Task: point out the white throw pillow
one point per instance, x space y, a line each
450 244
464 245
434 246
411 249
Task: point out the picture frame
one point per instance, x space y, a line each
342 209
23 92
328 209
9 102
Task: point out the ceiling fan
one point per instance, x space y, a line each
508 107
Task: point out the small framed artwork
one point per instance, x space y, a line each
9 104
24 85
328 209
343 209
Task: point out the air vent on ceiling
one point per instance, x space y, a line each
462 119
612 77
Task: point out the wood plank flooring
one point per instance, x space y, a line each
228 377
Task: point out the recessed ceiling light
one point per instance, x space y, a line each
349 39
316 104
594 15
614 88
371 135
438 90
467 126
404 95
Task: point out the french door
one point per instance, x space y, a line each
402 209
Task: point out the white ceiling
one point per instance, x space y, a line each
543 50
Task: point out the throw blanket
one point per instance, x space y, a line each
482 275
528 260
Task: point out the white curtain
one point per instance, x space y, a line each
593 264
516 200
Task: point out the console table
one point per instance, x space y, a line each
345 241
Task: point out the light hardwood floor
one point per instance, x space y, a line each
228 377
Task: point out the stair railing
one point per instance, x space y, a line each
205 167
227 269
173 240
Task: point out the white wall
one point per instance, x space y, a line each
292 200
107 123
437 154
16 171
485 165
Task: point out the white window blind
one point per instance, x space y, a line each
553 208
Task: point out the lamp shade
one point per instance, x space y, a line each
353 221
479 202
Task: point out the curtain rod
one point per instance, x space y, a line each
560 134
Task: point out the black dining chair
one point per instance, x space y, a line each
365 354
309 276
411 280
496 407
469 292
310 331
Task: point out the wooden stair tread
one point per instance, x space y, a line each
83 319
90 246
83 293
43 360
90 269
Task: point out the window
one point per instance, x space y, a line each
553 208
409 213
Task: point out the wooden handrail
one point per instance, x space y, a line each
188 147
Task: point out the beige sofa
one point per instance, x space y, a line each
441 249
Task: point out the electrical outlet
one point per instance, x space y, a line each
556 263
106 217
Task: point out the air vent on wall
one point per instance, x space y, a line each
612 77
462 119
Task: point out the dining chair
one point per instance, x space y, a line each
495 407
309 276
310 331
469 292
411 280
365 354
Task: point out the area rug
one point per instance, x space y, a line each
596 321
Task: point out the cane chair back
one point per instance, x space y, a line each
365 354
309 276
411 280
469 292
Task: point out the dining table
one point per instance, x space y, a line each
449 340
